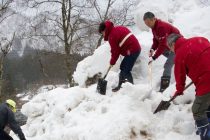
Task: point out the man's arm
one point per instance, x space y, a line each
14 125
180 75
162 35
115 51
154 44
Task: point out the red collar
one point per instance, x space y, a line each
180 42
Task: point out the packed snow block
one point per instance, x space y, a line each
140 91
33 109
199 25
158 7
92 65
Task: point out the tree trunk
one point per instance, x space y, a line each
66 44
1 77
69 72
99 41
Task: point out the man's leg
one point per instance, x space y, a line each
208 114
126 67
199 108
165 79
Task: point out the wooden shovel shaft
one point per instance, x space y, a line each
107 71
187 86
165 104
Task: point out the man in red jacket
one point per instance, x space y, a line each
193 59
160 32
122 42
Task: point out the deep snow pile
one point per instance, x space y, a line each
82 114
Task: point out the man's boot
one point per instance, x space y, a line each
129 78
203 129
121 80
165 81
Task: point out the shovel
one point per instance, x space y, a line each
102 83
164 105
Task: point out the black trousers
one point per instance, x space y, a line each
126 67
5 136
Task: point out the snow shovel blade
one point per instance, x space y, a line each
101 87
164 105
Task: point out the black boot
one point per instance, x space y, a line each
165 81
203 129
129 78
121 80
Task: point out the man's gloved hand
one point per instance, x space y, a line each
150 60
177 93
151 52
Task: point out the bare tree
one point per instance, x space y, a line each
119 14
69 23
5 43
4 6
5 46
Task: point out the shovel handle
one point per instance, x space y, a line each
107 71
186 87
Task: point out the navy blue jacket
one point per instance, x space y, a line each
7 117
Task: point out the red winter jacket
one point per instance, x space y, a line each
160 32
115 35
193 59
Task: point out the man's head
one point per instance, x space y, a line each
105 29
102 28
11 104
171 40
149 19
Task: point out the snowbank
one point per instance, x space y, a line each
82 114
189 16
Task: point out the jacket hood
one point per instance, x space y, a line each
109 26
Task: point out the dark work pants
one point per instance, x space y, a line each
4 136
169 63
200 107
208 113
126 67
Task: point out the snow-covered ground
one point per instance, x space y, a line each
82 114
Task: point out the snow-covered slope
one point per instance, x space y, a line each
82 114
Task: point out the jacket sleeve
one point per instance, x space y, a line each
155 44
180 75
162 34
14 125
115 51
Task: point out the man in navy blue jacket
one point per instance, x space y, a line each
7 117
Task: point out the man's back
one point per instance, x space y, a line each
163 29
194 53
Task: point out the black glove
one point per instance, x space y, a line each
151 59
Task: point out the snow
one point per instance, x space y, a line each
80 113
189 16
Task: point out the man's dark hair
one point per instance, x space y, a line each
148 15
172 38
101 27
